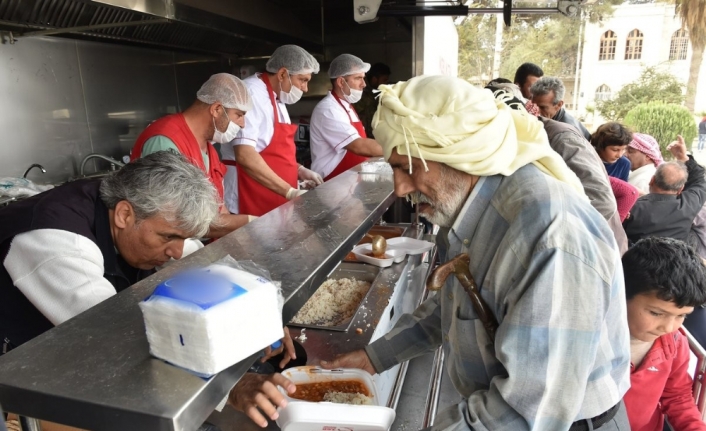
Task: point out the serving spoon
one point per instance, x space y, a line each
379 244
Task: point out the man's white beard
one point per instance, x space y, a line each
450 200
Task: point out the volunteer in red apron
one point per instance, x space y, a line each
263 172
217 115
338 139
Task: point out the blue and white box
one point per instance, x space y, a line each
209 319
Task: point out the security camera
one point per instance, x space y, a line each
366 10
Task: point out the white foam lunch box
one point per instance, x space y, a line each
324 416
362 254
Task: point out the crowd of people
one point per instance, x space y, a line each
587 248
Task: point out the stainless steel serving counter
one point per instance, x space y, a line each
95 372
397 290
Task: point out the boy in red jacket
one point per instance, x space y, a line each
664 280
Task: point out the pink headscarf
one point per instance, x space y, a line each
648 145
625 196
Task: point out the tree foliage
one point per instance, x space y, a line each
652 85
552 43
693 16
549 40
664 121
476 45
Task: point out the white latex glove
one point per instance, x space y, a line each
307 184
307 174
293 193
252 217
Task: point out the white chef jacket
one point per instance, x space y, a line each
331 131
258 131
640 177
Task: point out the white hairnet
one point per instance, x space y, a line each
347 64
226 89
293 58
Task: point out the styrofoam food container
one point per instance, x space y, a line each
396 256
309 416
409 245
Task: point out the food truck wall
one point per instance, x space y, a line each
66 96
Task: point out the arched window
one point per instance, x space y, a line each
609 41
633 46
680 42
603 93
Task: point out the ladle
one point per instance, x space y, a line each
379 244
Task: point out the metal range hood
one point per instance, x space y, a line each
224 28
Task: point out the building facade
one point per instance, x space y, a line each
617 50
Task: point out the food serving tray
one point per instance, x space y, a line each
362 272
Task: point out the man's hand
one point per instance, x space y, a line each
255 394
287 347
356 359
678 149
307 174
293 193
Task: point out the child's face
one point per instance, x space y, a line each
611 153
650 317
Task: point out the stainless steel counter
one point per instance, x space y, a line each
95 372
397 290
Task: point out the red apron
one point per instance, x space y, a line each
281 156
175 128
350 159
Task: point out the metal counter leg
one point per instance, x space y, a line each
30 424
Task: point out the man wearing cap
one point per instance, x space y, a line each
262 165
645 156
545 263
338 138
215 116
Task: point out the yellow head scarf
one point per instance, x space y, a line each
448 120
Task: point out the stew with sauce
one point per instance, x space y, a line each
315 391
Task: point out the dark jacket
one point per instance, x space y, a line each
564 117
668 215
75 207
702 128
583 160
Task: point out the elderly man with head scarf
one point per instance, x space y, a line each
338 138
545 262
645 157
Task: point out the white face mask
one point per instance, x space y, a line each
227 136
355 95
293 96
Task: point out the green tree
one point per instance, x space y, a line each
476 39
663 121
652 85
693 16
551 42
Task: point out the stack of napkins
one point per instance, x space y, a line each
207 320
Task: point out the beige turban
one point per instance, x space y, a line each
448 120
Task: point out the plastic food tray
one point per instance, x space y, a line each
307 416
362 254
410 246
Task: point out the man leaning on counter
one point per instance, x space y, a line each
338 138
217 114
72 247
263 172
